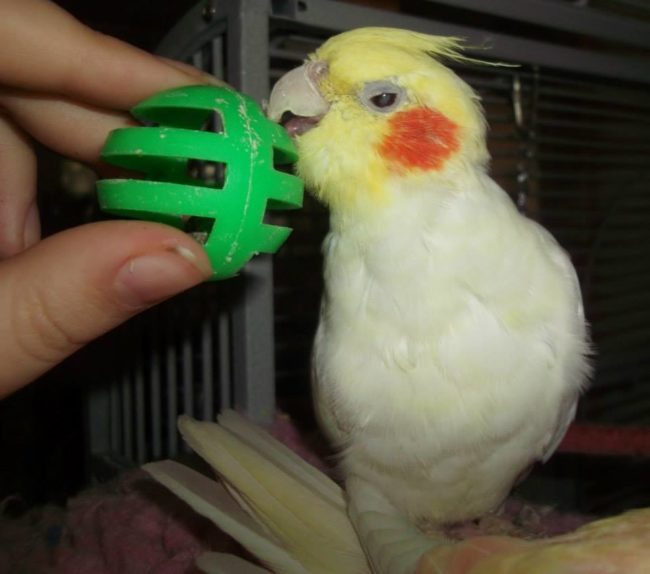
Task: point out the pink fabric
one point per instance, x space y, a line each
134 527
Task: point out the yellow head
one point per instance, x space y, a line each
375 103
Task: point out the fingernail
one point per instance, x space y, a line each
32 227
200 75
150 278
213 80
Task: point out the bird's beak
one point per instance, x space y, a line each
296 102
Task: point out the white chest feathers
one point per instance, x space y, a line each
450 352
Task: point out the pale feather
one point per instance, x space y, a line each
451 347
285 502
211 500
277 453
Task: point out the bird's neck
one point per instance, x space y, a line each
403 200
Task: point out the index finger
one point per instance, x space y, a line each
46 50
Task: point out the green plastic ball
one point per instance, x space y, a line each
209 160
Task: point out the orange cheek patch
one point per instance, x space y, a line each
419 138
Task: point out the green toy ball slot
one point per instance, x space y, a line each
209 161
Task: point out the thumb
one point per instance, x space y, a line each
76 285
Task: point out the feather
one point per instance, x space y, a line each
442 48
282 456
211 500
303 509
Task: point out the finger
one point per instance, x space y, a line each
183 67
74 130
47 50
19 222
72 287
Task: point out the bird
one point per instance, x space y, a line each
452 344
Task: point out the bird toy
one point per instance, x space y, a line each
211 164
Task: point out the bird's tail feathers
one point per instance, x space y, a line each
294 521
211 500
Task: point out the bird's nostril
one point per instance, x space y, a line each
317 70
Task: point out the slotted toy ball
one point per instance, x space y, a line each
209 160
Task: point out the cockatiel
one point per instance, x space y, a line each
452 344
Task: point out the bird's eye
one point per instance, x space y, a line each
382 96
384 100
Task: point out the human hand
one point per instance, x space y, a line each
67 86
